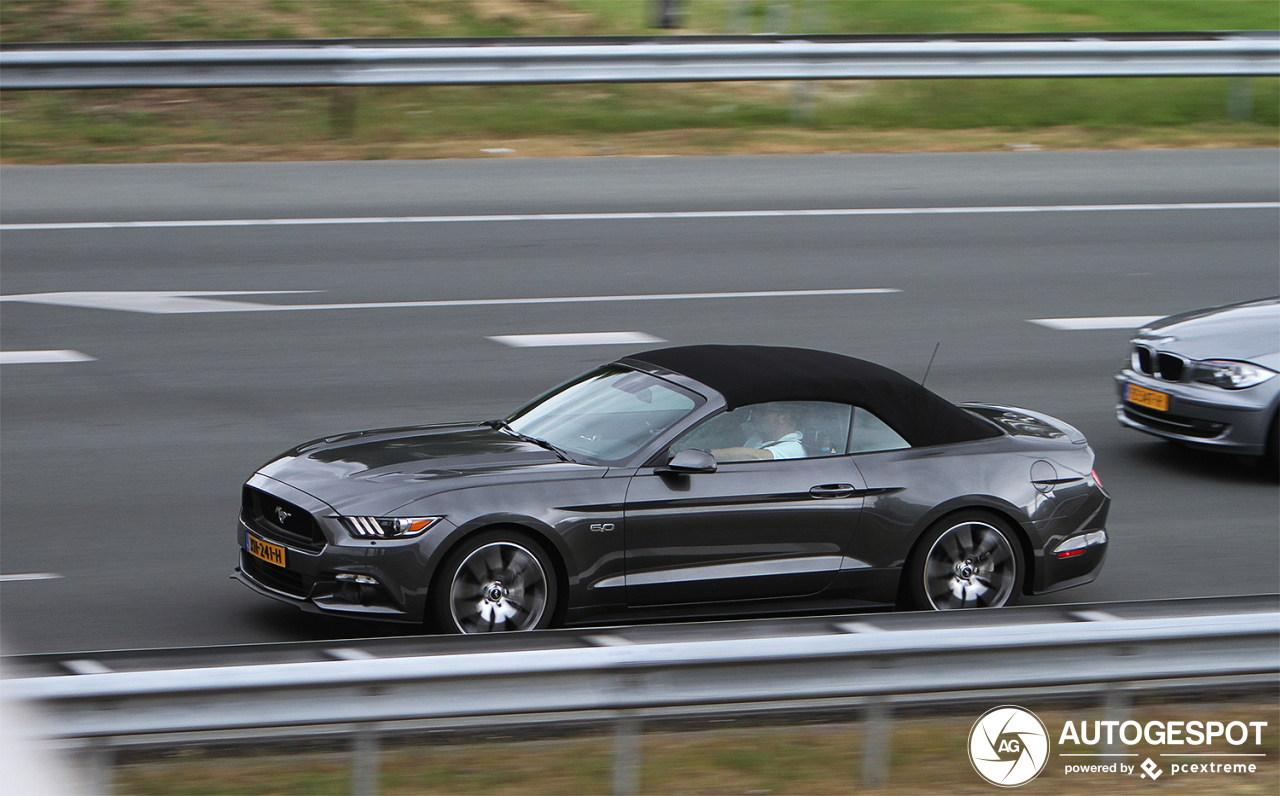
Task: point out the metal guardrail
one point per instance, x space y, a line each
400 645
625 683
674 59
682 674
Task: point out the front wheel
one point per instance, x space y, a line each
967 560
497 581
1271 455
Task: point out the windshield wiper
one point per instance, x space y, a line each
502 425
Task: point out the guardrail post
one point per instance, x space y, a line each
99 767
813 16
627 733
668 14
1239 99
342 111
777 18
802 101
737 17
1116 705
877 725
365 748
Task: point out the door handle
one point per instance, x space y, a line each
832 490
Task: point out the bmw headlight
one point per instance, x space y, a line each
389 527
1231 375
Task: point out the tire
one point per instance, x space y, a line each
499 580
967 560
1270 462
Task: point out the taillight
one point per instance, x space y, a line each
1096 479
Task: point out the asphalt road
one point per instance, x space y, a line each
121 475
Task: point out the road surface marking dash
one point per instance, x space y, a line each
859 627
85 666
636 216
1089 324
581 338
168 302
42 357
29 576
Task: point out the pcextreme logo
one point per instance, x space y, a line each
1008 746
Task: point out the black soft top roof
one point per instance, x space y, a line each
750 374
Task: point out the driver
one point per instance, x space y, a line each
776 438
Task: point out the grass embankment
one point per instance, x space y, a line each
714 118
927 756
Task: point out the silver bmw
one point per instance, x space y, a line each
1207 379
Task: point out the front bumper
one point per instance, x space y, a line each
1199 416
324 581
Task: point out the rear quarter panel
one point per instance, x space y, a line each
994 475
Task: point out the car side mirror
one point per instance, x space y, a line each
688 461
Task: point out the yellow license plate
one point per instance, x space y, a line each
1148 398
271 553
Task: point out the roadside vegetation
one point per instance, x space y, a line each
710 118
927 755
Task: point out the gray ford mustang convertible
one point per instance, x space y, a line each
684 482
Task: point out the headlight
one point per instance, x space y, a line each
389 527
1231 375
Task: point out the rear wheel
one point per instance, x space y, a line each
497 581
967 560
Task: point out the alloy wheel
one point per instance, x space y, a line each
971 565
499 586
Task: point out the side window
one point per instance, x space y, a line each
775 430
869 433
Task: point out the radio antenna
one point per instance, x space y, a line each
926 370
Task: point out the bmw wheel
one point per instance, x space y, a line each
1271 455
968 560
497 581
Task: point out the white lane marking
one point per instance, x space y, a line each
859 627
161 302
1094 616
608 641
574 338
1087 324
42 357
85 666
29 576
679 214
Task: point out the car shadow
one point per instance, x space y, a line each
286 623
1171 456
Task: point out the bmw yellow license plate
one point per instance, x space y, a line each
1151 399
271 553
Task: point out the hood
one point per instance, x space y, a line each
391 467
1245 331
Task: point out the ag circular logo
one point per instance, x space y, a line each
1008 746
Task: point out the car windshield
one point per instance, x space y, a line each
607 414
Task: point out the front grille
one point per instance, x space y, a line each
274 577
281 520
1142 360
1175 424
1171 367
